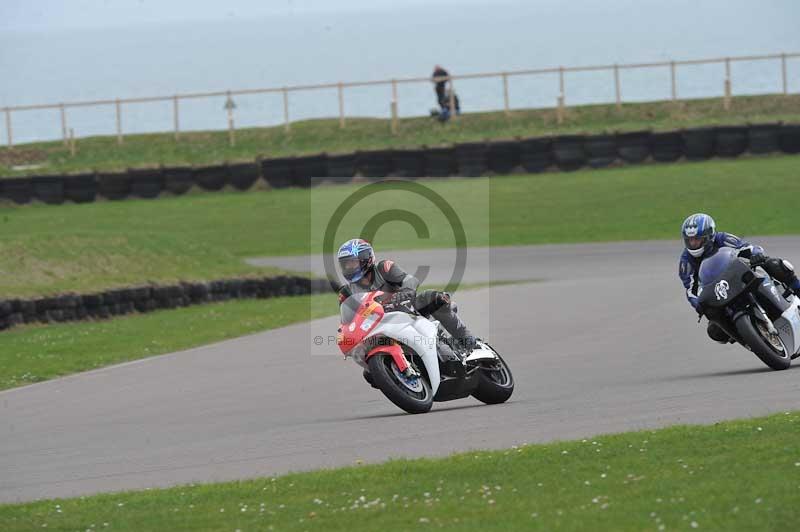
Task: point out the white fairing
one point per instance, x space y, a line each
788 326
482 352
416 332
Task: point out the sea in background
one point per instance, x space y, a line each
308 48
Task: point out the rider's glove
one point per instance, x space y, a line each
404 295
758 260
402 300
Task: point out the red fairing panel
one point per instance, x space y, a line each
395 351
367 317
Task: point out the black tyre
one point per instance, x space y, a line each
495 382
772 353
414 398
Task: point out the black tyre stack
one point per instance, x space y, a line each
278 173
243 176
731 141
471 158
568 152
699 143
502 156
666 147
310 170
408 163
536 154
16 189
633 147
341 167
211 178
601 150
763 138
48 189
146 182
177 179
441 162
790 138
80 188
114 186
374 164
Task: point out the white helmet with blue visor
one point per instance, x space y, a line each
356 259
698 232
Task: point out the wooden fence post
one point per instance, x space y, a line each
560 110
452 102
286 125
63 113
783 74
394 106
229 107
506 105
673 78
176 118
617 88
9 133
727 98
72 149
341 105
561 97
119 122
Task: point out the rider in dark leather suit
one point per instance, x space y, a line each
357 261
701 240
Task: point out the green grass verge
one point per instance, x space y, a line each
35 353
46 249
739 475
313 136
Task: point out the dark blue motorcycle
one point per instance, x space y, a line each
754 309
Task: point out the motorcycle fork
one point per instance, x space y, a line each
762 316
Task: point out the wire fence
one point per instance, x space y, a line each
504 79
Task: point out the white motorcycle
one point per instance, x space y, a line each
408 357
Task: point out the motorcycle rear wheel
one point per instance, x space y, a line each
387 378
760 346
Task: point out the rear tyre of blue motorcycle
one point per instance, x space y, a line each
387 378
762 349
495 383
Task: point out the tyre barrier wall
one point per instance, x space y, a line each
117 302
469 159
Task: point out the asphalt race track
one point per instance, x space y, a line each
602 342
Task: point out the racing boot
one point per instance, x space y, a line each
783 271
465 344
463 340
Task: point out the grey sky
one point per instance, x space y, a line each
59 14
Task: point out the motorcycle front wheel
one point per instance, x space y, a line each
412 395
495 381
768 347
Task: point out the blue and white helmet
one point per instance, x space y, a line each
356 259
698 232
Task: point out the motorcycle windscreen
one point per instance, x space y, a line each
714 267
349 307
